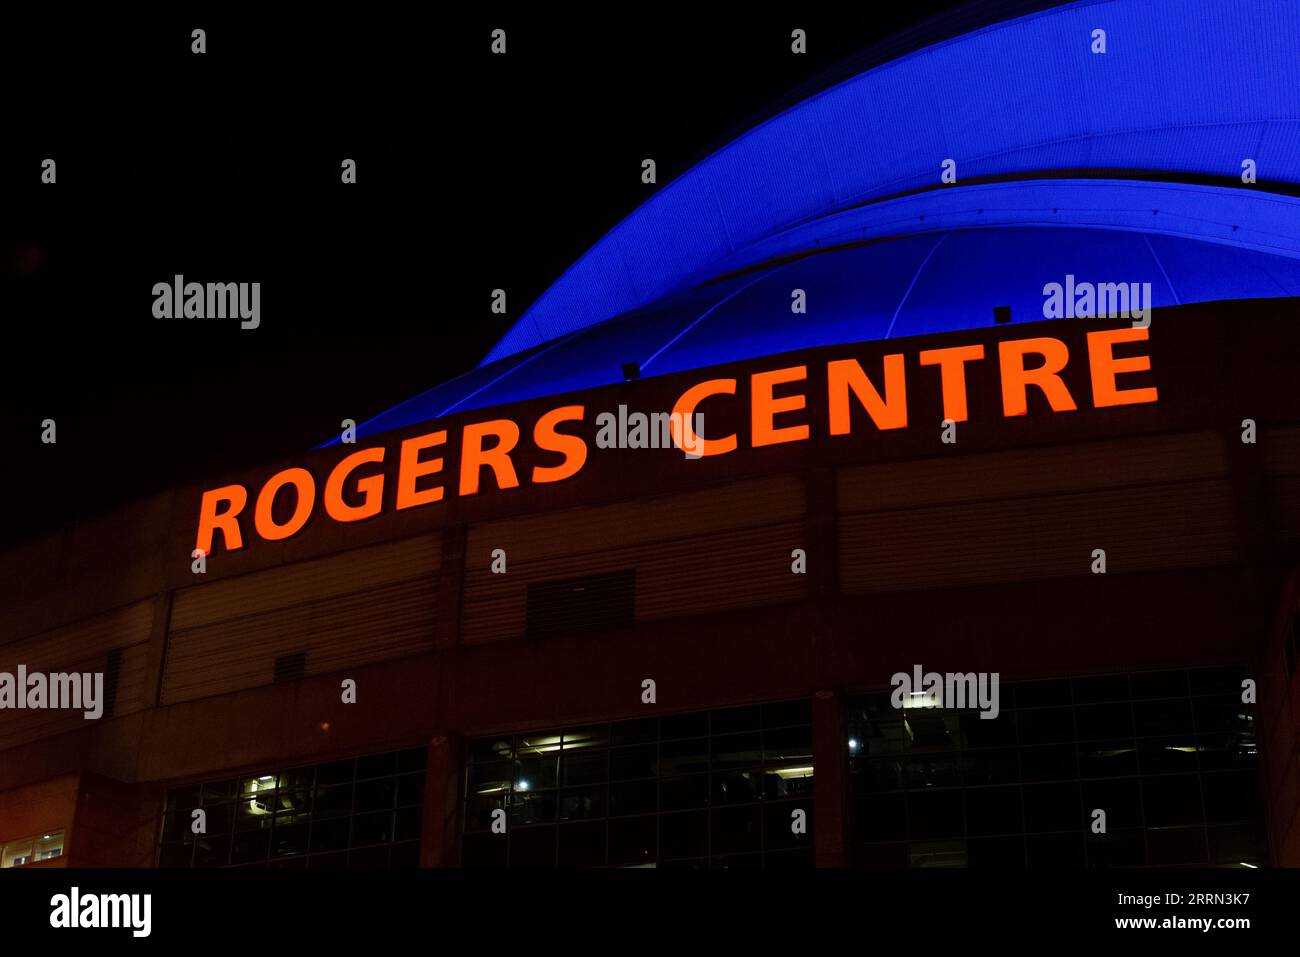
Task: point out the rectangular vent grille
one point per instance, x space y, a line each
112 673
290 667
579 605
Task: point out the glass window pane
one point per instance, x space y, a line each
679 793
586 802
376 765
315 810
737 751
1105 759
336 772
408 824
633 797
634 732
332 801
734 720
215 792
684 726
592 736
788 782
532 807
372 828
17 853
582 845
1159 684
787 713
375 795
737 830
632 841
995 810
537 773
486 750
585 767
250 846
683 835
737 787
787 746
684 757
636 762
533 847
1103 688
1052 807
211 850
778 821
412 760
410 789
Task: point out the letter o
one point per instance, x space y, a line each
306 487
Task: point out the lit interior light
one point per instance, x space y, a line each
1253 867
253 806
521 786
853 744
540 745
921 699
786 773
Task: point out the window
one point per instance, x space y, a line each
712 788
1168 755
362 812
43 847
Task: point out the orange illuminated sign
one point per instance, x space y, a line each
778 413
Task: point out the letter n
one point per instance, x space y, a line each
889 412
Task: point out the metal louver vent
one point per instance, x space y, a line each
290 667
576 605
112 673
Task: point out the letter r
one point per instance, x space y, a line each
212 519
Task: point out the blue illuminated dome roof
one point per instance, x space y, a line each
1122 166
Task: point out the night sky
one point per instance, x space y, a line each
474 172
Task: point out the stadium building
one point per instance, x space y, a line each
477 635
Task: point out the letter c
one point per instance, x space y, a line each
681 421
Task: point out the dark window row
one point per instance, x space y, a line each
1233 845
1212 728
721 788
1226 797
1169 756
361 812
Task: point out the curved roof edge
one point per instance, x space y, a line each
1147 103
1000 243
